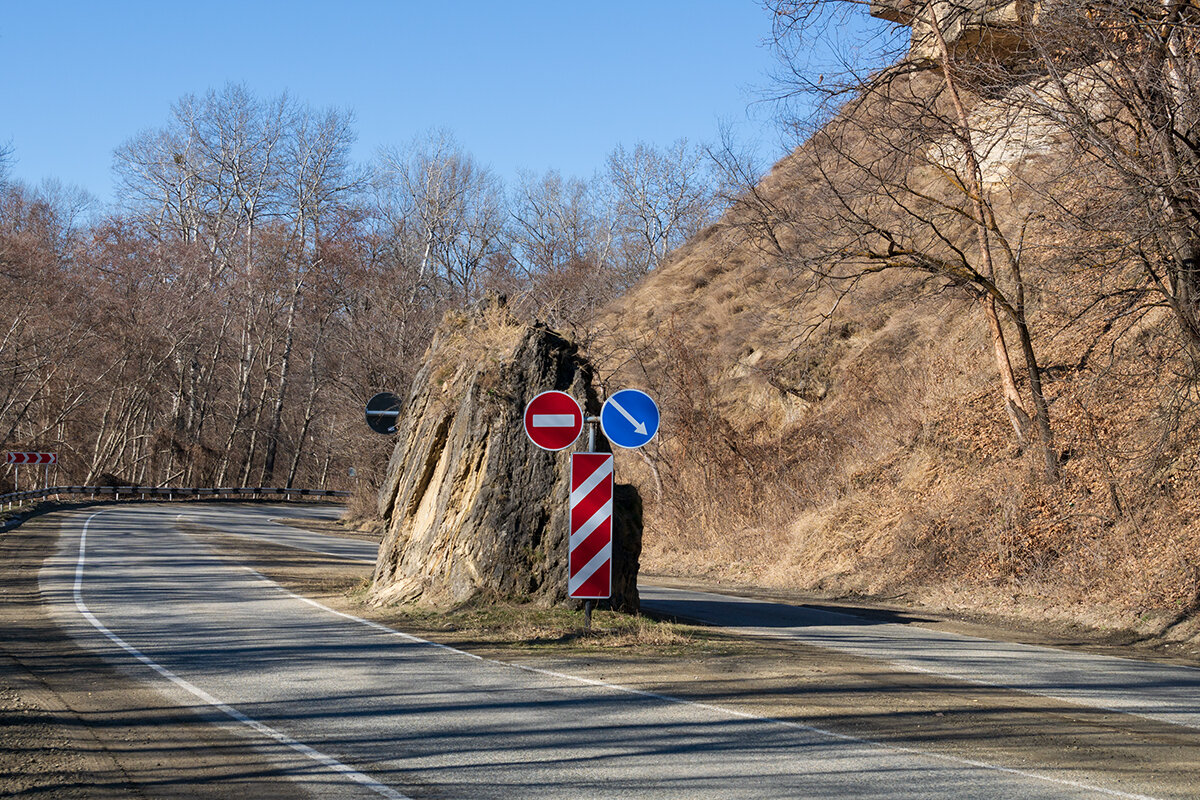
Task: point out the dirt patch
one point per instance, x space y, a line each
499 628
808 685
335 528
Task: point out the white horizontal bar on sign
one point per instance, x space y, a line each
553 420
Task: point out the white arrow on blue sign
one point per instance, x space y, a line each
629 418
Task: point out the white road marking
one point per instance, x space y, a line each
316 755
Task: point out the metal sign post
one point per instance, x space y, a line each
553 421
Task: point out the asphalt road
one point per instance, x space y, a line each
350 708
1155 691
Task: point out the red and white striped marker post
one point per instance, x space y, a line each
553 421
589 554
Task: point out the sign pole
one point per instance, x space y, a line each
553 421
588 604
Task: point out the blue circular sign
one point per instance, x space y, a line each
629 418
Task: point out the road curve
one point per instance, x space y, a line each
353 709
1162 692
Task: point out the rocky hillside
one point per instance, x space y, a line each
835 428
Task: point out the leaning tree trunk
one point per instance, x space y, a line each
1013 403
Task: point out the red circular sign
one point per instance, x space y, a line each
553 420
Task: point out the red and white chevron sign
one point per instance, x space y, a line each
589 556
32 458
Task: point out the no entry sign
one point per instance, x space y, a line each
590 552
553 420
32 458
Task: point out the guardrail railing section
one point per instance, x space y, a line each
165 493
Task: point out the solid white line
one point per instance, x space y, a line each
791 636
391 793
666 698
553 420
316 755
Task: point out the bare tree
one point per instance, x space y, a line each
562 247
451 206
900 169
660 199
6 160
1122 80
318 182
254 183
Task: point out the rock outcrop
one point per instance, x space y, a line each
471 506
998 27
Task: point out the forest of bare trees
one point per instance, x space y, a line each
224 322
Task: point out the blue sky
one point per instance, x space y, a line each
532 85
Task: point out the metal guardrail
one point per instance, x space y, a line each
167 492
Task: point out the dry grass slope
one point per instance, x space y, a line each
868 451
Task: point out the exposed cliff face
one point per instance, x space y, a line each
995 26
471 505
